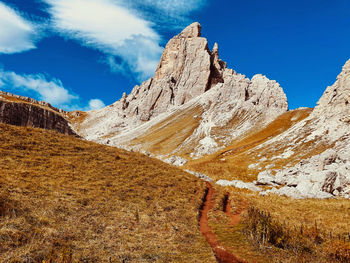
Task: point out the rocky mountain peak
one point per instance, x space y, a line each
336 97
332 113
266 92
193 30
215 49
187 69
182 74
190 75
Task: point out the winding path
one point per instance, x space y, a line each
222 254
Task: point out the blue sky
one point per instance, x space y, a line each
83 54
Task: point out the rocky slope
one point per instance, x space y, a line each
193 99
24 111
302 154
326 174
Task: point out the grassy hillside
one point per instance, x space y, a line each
166 136
63 199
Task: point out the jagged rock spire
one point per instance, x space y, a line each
182 74
186 70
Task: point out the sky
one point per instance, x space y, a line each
84 54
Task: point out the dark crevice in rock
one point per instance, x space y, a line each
217 68
155 102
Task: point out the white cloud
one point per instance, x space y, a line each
16 33
96 104
42 88
51 91
167 14
111 28
138 55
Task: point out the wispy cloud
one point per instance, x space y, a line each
176 7
95 104
51 91
46 89
167 14
138 55
110 28
16 33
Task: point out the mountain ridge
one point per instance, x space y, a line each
189 76
195 108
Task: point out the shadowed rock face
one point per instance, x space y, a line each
23 114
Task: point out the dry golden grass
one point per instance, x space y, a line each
169 134
330 217
68 200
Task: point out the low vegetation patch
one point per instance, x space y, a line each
303 242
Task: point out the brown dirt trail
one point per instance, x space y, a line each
235 217
222 254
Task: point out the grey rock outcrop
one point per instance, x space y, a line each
31 101
33 114
175 160
336 98
331 116
323 175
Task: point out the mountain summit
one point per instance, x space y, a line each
190 82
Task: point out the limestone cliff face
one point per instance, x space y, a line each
22 111
190 77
